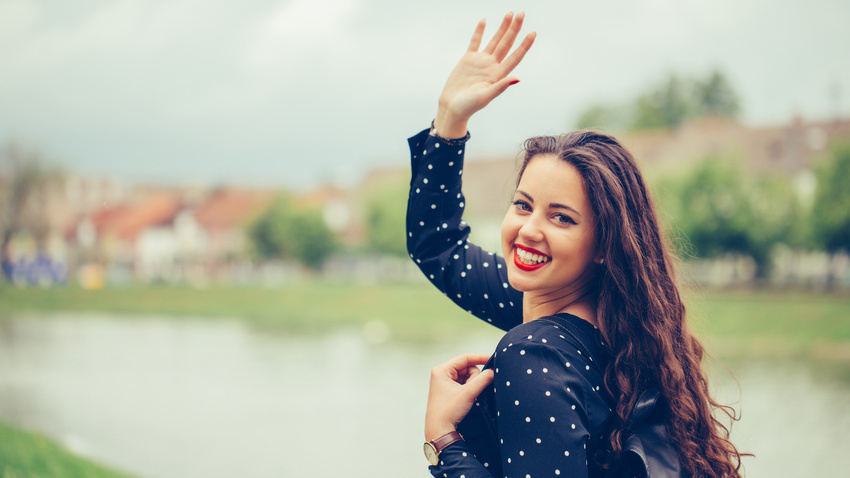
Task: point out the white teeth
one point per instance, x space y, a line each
530 258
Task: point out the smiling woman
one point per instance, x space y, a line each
550 234
597 360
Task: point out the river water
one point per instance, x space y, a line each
186 398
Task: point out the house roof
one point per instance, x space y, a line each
228 208
128 220
786 148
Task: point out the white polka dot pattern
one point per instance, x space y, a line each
437 237
544 418
545 397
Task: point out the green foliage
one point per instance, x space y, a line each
715 96
268 232
385 220
23 181
667 104
831 208
286 232
721 211
311 242
29 455
707 207
597 117
777 215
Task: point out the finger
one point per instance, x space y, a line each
462 362
477 35
499 87
455 368
506 22
516 57
475 385
467 360
470 372
507 40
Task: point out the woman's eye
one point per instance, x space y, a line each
522 205
564 219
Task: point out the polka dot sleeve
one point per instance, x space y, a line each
437 236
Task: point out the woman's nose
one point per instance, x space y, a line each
530 229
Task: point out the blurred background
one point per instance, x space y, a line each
202 219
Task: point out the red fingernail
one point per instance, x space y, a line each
513 82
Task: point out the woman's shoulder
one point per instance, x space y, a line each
565 336
557 331
550 350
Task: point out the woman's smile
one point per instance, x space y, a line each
529 259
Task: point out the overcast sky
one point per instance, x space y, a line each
296 92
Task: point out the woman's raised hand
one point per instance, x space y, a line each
480 76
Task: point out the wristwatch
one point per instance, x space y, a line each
434 447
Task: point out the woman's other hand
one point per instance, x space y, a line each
454 387
480 76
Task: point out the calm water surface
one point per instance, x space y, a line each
187 398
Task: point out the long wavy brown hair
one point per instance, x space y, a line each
639 308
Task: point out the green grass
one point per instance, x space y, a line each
30 455
774 323
411 311
751 323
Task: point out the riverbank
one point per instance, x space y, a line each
29 455
168 377
752 323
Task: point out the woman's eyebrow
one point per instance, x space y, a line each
553 205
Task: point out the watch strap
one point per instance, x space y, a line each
442 442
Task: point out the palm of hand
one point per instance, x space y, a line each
468 88
480 76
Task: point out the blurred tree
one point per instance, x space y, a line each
667 104
710 210
831 208
596 117
385 220
721 211
605 117
23 180
776 218
310 239
716 97
285 232
267 233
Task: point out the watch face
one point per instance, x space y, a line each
431 454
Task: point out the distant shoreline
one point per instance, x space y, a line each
736 324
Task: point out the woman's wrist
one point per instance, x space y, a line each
449 126
448 141
432 433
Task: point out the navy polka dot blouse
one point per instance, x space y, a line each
547 405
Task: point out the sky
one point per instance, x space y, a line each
296 93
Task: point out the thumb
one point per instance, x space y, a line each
475 385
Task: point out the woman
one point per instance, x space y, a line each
587 297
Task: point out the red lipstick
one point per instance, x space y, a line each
527 267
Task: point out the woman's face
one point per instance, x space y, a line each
548 235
